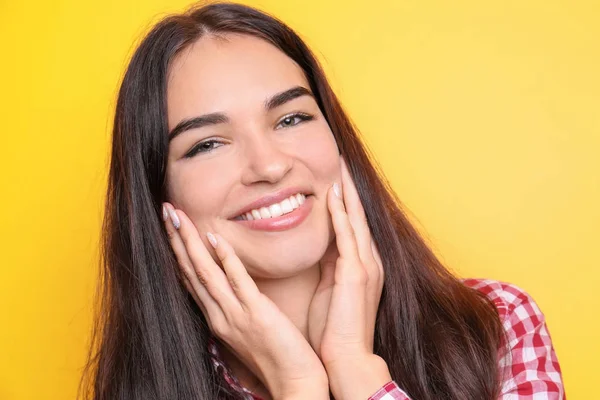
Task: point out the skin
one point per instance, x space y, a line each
320 282
235 76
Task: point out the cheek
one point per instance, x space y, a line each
321 154
198 193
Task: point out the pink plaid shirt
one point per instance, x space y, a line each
532 370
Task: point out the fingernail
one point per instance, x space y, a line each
212 239
337 190
165 212
174 218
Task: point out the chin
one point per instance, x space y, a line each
283 260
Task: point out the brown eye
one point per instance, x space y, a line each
293 120
203 147
287 121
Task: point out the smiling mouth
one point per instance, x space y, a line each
275 210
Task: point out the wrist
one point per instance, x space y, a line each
308 393
357 378
316 388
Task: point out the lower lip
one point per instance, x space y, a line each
283 222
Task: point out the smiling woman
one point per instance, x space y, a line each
251 249
238 105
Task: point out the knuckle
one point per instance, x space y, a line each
349 232
219 328
339 213
368 279
260 320
185 237
371 267
362 279
224 256
187 272
202 277
171 234
373 283
233 282
357 277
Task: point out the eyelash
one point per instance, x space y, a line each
303 117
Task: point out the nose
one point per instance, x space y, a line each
267 160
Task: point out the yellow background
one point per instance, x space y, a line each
485 116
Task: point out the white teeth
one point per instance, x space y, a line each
286 206
275 210
264 213
294 202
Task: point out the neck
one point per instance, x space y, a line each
293 296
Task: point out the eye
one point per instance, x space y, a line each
203 147
293 120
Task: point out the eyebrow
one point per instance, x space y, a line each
275 101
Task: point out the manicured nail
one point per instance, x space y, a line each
212 239
337 190
165 213
174 218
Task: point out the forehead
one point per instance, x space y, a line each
227 74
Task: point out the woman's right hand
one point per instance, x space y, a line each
248 322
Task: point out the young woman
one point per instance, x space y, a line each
252 250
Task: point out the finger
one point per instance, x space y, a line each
344 234
365 243
192 292
240 281
213 315
188 275
357 215
206 270
347 310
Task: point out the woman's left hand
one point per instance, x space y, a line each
344 307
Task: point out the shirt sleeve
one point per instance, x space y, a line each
530 368
390 391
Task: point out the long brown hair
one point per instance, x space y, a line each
439 338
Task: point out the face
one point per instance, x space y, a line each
251 156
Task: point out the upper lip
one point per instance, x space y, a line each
271 199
